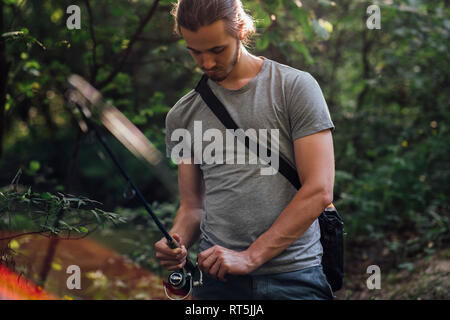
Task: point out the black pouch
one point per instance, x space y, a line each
332 240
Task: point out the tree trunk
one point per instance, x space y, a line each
4 69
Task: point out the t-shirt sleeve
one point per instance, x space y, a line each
178 139
307 108
170 127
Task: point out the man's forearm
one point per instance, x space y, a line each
187 225
292 223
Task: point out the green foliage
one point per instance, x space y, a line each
386 90
22 35
140 245
59 214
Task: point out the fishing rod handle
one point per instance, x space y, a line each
173 244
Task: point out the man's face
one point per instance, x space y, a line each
214 50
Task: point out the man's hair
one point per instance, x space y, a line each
193 14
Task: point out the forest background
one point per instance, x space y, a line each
386 89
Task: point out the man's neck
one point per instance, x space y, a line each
243 72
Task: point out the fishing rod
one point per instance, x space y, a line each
82 94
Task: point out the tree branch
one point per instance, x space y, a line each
4 70
95 66
132 42
158 40
21 235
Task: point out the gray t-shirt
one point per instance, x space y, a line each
242 203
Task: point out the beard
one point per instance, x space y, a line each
221 76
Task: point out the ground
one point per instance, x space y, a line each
109 275
105 274
420 279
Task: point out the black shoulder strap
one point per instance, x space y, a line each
222 114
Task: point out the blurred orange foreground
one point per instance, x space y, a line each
105 273
15 287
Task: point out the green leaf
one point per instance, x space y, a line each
12 34
32 64
34 166
262 42
262 18
14 244
100 221
64 224
139 119
407 265
46 196
302 17
303 50
10 2
56 266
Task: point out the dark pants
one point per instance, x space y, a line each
305 284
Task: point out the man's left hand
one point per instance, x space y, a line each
219 261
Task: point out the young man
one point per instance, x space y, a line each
259 236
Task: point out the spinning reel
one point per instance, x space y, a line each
181 282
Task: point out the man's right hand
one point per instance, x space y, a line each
171 259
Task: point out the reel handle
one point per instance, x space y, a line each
173 244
